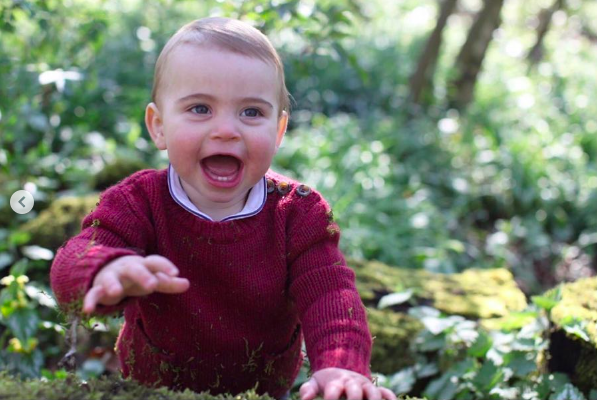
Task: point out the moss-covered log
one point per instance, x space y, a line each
476 294
573 348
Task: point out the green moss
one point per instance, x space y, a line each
578 306
114 388
579 301
116 171
473 293
108 388
60 221
392 333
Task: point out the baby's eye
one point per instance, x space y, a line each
200 109
252 112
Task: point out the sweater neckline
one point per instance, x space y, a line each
255 200
215 232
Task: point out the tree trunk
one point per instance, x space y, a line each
536 53
421 81
470 59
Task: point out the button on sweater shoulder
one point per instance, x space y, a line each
259 286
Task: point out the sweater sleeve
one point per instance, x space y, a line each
323 288
116 228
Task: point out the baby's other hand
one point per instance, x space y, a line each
133 276
333 382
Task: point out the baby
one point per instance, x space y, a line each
220 265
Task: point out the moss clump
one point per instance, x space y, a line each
103 388
60 221
473 294
392 334
116 171
577 307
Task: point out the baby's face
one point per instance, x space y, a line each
218 116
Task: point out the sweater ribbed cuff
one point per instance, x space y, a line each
78 279
352 359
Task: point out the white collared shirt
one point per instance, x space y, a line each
255 200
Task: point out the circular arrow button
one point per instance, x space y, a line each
21 201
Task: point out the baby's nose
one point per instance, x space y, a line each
225 129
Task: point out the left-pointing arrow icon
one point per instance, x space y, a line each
22 202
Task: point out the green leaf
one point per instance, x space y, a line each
5 260
517 320
23 323
568 392
521 363
20 267
488 376
394 299
403 381
481 345
577 328
426 341
423 311
18 238
544 302
439 325
444 387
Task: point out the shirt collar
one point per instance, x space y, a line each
255 200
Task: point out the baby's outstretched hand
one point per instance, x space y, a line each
334 382
133 276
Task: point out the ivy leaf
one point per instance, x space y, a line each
394 299
568 392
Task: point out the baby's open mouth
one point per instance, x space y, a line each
222 168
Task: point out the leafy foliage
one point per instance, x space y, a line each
458 359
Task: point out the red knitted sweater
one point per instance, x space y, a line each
257 286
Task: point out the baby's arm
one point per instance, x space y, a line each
133 276
120 226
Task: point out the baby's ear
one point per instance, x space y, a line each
282 125
153 121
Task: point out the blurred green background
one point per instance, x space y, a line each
446 135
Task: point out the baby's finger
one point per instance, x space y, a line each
387 393
372 392
139 275
169 284
354 390
333 390
111 284
309 389
91 298
156 263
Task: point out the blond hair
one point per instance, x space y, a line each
228 34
